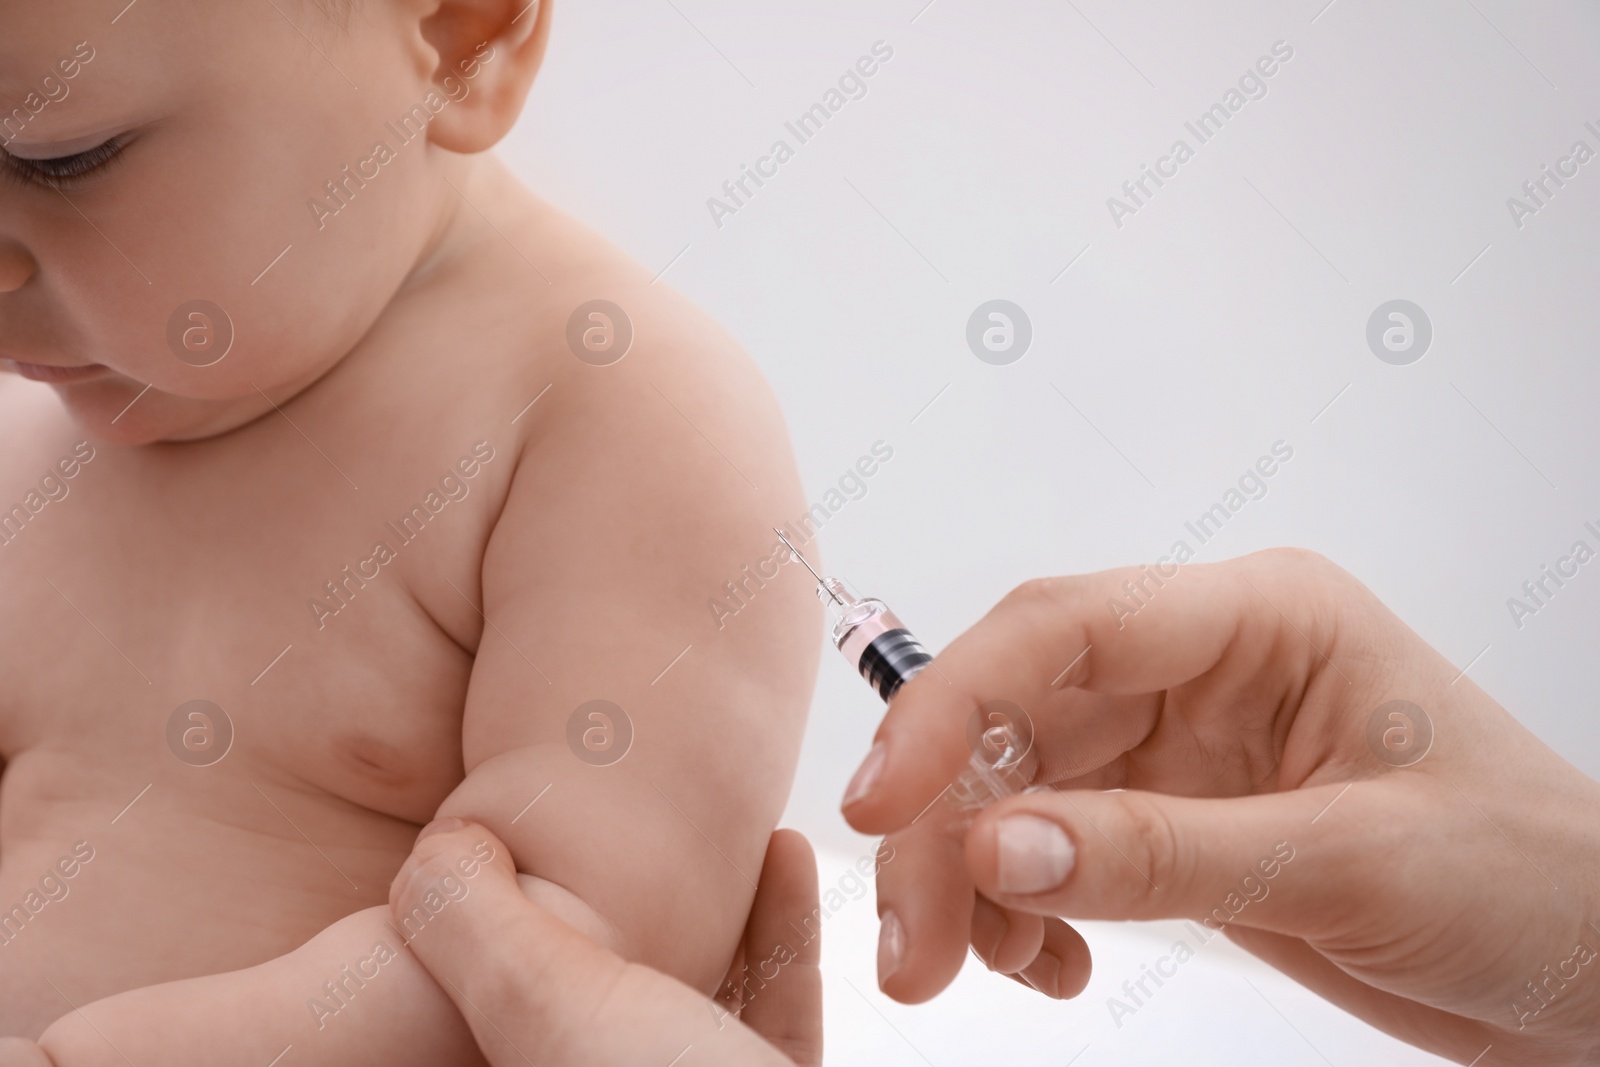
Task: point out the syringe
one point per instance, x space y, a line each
887 655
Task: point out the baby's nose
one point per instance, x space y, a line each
16 266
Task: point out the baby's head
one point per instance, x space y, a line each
216 199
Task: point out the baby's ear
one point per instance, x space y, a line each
488 52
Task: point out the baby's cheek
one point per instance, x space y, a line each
575 912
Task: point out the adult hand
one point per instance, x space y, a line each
534 990
1447 892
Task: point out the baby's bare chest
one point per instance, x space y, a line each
271 617
236 671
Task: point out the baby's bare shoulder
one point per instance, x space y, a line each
641 381
651 389
636 415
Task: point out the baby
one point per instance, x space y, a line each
345 484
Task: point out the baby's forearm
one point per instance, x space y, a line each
352 994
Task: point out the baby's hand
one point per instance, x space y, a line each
1290 763
534 990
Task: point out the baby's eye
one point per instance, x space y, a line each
64 172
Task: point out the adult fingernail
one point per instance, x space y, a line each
891 946
1035 854
867 775
441 826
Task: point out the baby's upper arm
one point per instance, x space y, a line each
642 488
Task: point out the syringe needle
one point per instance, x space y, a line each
795 552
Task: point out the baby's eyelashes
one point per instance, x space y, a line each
59 172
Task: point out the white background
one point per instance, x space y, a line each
1226 315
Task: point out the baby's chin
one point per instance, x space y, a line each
117 410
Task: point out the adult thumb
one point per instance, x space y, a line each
532 988
499 958
1289 862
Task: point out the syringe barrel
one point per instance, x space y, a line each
879 646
